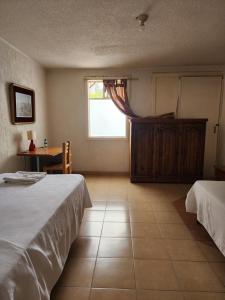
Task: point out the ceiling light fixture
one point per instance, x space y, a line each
142 18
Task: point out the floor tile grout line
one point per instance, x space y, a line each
145 289
128 221
137 236
135 281
92 279
175 273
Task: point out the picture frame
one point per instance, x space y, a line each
22 104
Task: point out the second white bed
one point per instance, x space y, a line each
207 200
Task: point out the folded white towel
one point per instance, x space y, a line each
24 177
32 174
20 180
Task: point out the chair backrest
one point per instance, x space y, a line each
67 162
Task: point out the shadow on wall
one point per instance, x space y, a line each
17 141
9 164
13 162
7 84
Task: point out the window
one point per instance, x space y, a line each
104 118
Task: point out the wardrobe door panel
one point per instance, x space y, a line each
142 164
192 151
167 152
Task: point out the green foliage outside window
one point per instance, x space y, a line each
96 90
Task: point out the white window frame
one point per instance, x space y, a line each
103 138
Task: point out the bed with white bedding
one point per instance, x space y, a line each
207 200
38 224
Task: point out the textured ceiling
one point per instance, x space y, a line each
105 33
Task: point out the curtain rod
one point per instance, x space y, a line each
110 77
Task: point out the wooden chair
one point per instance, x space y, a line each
66 166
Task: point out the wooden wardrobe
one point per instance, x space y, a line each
167 150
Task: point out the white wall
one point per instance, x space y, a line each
17 68
68 114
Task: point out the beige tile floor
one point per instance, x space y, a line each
138 243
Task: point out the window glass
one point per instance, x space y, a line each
105 119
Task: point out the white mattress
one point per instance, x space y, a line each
38 223
207 199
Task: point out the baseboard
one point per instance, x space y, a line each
101 173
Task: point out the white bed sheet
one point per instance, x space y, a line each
38 224
207 200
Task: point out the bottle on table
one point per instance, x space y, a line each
45 143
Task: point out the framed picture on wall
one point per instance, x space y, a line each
22 102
